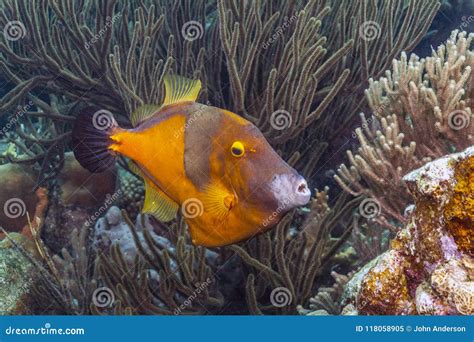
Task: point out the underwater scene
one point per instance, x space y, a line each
236 157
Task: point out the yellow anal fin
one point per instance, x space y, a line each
180 89
157 203
143 112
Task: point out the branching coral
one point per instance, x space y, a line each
181 281
160 279
283 267
279 64
422 109
254 58
328 299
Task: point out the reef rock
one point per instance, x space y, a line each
429 268
113 229
15 277
78 186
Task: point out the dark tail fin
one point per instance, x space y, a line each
91 139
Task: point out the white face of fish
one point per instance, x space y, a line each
290 190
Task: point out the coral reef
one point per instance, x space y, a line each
421 110
15 277
428 269
78 188
297 70
288 262
292 58
139 273
165 279
133 192
328 299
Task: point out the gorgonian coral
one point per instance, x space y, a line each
279 64
421 110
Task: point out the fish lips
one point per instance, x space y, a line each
290 190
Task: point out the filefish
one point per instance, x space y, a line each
214 164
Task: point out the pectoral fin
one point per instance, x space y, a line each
218 201
157 203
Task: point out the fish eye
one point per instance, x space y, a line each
237 149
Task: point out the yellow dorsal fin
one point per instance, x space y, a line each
143 112
180 89
157 203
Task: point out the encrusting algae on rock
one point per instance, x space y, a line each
429 267
459 212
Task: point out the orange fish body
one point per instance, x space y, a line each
217 166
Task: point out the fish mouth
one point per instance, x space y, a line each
290 190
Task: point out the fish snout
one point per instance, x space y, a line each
290 190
